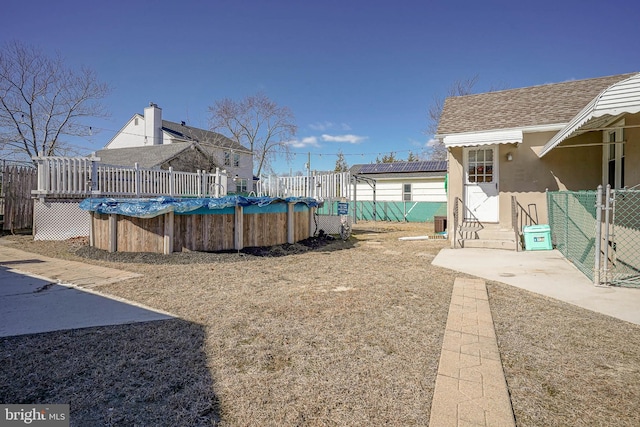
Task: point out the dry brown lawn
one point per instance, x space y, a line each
348 333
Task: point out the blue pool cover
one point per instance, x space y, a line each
152 207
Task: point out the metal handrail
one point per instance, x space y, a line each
520 218
458 222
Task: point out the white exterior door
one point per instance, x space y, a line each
481 183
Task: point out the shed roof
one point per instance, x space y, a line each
548 104
401 169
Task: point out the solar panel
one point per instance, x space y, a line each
404 167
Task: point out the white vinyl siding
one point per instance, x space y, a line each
391 190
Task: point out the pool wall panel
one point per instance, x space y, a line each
202 231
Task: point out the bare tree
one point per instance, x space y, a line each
460 87
42 101
257 123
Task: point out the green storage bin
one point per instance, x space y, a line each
537 237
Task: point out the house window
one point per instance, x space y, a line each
135 121
241 185
406 192
614 151
480 165
227 158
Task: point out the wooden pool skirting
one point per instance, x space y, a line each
234 229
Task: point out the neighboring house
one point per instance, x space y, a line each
401 181
573 135
152 142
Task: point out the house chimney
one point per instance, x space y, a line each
153 124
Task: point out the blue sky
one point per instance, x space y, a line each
359 76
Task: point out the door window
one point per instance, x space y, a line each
480 165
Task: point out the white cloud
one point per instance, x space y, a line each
309 141
321 126
348 138
325 126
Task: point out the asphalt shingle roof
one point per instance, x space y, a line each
147 157
547 104
200 135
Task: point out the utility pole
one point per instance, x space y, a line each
309 174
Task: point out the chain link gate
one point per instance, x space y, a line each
620 236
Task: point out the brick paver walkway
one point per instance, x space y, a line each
470 385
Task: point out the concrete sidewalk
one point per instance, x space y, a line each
543 272
41 294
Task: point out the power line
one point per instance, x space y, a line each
276 151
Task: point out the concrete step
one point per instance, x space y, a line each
494 234
490 244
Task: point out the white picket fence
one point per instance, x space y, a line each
87 177
321 186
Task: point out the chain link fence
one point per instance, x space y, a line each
389 211
599 232
572 218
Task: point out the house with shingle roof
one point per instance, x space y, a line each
153 143
513 145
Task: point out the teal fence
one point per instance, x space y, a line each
572 218
390 211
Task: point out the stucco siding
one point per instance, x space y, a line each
528 177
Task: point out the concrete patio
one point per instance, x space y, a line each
546 273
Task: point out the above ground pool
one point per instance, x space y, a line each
166 225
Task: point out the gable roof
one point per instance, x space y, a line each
149 157
202 136
401 169
549 104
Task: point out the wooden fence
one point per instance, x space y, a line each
16 205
